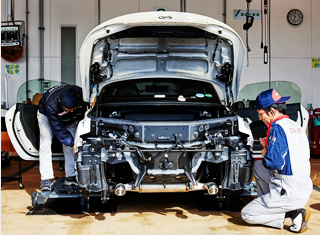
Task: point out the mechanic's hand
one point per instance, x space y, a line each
263 151
73 151
263 141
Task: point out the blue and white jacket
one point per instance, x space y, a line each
288 150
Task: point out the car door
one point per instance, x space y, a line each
22 123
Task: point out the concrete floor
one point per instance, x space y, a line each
162 215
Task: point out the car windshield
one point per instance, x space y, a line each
159 89
284 88
29 89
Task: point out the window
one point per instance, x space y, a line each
68 55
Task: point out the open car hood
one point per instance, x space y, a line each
162 45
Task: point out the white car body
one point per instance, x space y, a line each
161 86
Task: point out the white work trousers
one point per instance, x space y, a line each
278 194
45 153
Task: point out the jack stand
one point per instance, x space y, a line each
58 190
85 201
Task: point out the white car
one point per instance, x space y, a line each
161 87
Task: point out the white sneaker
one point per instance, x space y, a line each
45 185
70 181
300 221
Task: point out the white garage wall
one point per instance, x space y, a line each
80 14
113 8
292 48
148 5
211 8
14 81
315 51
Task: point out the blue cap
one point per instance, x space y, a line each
268 98
69 98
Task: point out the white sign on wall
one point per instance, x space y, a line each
241 14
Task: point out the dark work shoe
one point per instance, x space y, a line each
300 220
45 185
70 181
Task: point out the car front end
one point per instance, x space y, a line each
161 87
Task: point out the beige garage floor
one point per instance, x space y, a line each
159 215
